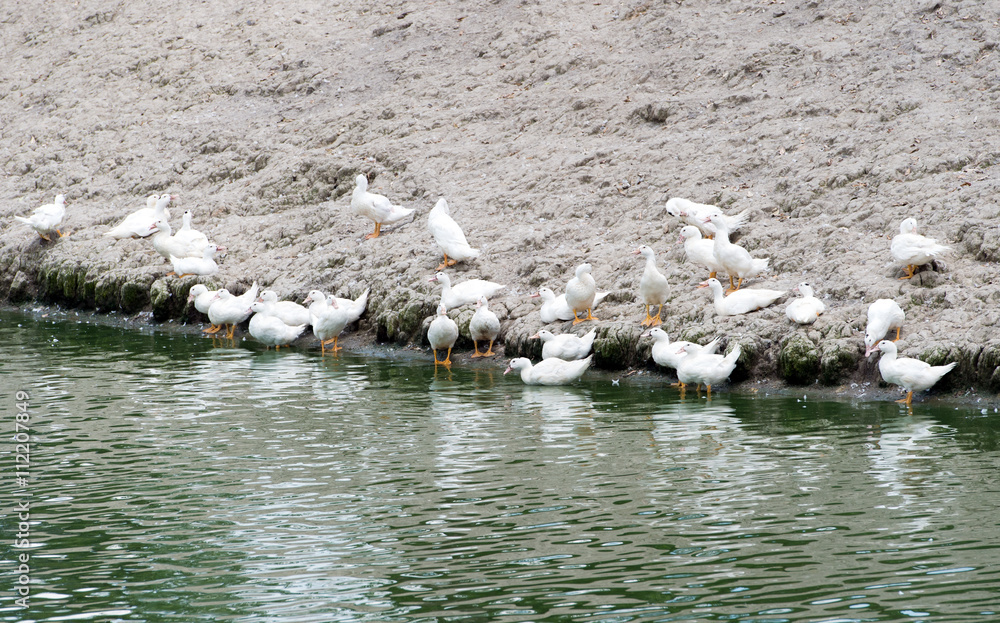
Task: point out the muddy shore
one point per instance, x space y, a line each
557 131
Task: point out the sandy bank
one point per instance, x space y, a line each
556 130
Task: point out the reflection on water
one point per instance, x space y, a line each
177 481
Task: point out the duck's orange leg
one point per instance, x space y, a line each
475 345
898 329
910 271
906 401
489 352
657 320
334 339
212 329
648 320
446 263
378 230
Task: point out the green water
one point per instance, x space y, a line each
175 480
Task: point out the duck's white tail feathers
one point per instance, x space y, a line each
398 213
359 306
711 348
730 360
758 266
939 249
945 369
588 339
26 221
738 220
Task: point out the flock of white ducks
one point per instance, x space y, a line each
705 236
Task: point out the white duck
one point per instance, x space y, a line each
741 301
484 326
354 309
697 214
465 293
805 309
139 223
167 244
699 250
705 368
581 291
45 219
913 249
328 318
231 310
289 312
652 287
268 329
376 207
736 260
566 346
554 308
669 354
552 371
912 375
202 297
883 315
190 236
443 333
449 236
202 266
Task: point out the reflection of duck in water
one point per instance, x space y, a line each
466 437
906 464
563 412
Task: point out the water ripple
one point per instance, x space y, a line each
177 481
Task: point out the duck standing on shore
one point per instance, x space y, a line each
449 236
653 288
911 374
442 334
699 250
705 368
231 310
45 219
581 292
484 326
328 318
736 260
913 249
202 297
378 208
554 308
883 315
